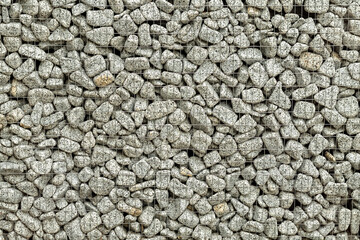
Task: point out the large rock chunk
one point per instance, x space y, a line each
250 55
258 75
126 178
310 61
11 168
204 71
318 144
90 221
333 117
133 83
279 98
101 36
61 34
245 124
10 195
103 112
348 107
197 55
294 149
227 146
23 151
332 35
200 120
69 65
94 65
343 78
273 142
316 6
354 70
32 51
101 186
25 69
136 63
63 16
101 4
82 79
351 41
303 183
288 228
336 189
209 35
225 114
150 11
179 189
73 230
125 26
102 154
305 110
257 3
32 223
208 93
327 97
104 79
160 109
100 18
40 95
189 219
200 141
10 29
68 145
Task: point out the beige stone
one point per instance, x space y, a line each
103 79
221 209
185 172
310 61
123 207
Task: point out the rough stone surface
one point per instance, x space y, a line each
154 120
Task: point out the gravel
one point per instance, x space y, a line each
179 119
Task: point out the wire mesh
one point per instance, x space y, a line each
232 89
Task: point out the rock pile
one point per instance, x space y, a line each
182 119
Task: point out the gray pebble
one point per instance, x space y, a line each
100 18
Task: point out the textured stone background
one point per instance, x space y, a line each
179 119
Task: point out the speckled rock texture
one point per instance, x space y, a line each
179 119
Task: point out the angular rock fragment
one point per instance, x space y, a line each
160 109
279 98
133 83
10 195
310 61
304 110
258 75
94 65
32 51
101 186
136 63
101 36
100 18
327 97
102 154
209 35
103 112
200 141
200 120
103 79
313 6
225 115
204 71
125 26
